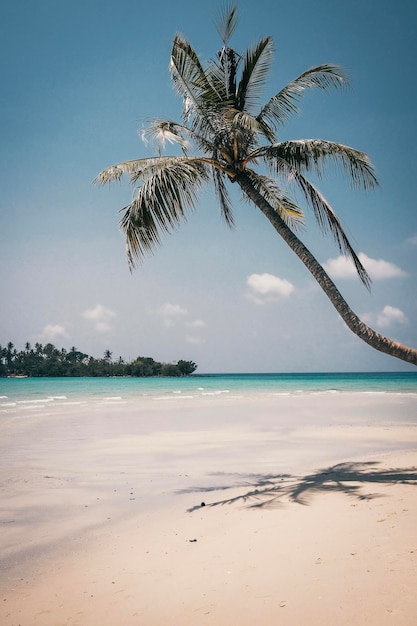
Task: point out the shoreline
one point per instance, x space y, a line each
309 513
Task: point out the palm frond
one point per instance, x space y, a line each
226 22
115 172
168 190
223 197
140 237
138 169
159 132
187 74
219 75
284 103
224 69
245 122
288 211
203 89
326 218
315 154
256 65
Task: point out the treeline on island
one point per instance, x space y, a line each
50 361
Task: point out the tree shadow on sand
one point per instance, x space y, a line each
269 491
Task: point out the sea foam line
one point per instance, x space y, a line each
34 401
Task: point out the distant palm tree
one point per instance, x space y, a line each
10 353
232 135
107 356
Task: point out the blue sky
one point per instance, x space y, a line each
80 79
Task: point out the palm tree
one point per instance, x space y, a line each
10 353
233 134
107 356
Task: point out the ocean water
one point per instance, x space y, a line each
37 393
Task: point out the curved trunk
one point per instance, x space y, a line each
364 332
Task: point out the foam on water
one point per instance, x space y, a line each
17 395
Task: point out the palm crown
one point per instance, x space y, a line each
232 134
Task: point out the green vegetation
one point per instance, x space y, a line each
50 361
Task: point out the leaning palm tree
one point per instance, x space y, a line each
234 140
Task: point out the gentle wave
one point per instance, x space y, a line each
19 394
34 401
172 398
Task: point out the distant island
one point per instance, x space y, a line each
53 362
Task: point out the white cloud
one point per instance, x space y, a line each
194 340
51 332
341 267
100 316
170 313
378 269
267 287
196 324
389 316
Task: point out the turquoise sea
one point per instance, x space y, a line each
16 393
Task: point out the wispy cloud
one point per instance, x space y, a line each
194 339
100 316
52 332
196 324
389 316
412 240
175 316
171 314
378 269
267 288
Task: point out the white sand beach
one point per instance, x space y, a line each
309 512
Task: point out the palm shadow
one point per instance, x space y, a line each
269 491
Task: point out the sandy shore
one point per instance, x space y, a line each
309 513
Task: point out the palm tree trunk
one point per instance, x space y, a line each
364 332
